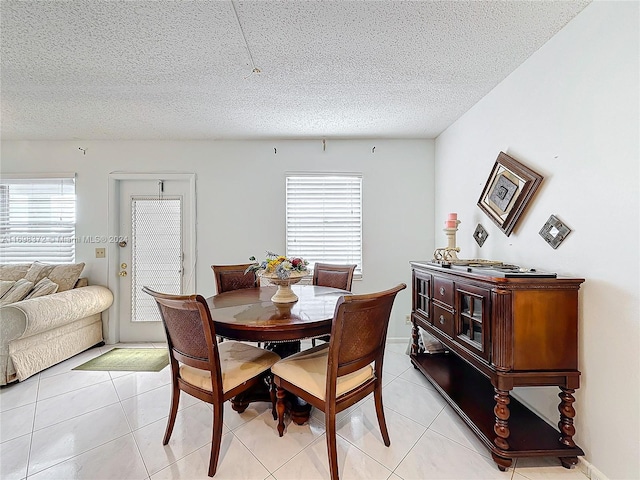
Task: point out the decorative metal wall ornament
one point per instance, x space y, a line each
554 231
510 187
480 235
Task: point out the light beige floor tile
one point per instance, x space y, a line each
361 429
77 402
17 422
19 394
450 425
260 435
319 414
118 459
313 463
72 362
395 363
418 403
233 419
235 462
436 457
129 386
414 375
80 434
151 406
69 381
14 456
398 347
192 430
546 468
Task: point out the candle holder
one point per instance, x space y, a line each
449 252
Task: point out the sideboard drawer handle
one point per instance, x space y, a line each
441 319
441 290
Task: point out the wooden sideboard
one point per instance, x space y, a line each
501 330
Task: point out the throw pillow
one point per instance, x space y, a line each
42 288
38 271
5 286
66 276
19 290
14 271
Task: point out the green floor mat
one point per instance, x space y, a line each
130 360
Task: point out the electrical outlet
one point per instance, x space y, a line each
100 252
407 320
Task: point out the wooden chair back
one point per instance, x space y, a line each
233 277
190 334
359 333
336 276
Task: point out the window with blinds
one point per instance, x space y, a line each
38 219
324 218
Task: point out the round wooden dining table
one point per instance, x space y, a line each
249 314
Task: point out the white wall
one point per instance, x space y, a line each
570 112
241 201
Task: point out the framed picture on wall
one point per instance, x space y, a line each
509 189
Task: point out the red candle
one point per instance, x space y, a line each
452 216
450 224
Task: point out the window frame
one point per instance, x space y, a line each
21 236
349 177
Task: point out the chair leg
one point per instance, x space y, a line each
272 394
175 400
216 437
377 397
281 392
330 431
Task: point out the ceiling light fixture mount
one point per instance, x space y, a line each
246 44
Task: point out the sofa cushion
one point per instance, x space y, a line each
38 271
16 293
5 286
66 275
42 288
14 271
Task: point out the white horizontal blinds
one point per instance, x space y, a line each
156 252
324 218
37 219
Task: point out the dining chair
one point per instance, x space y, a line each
201 367
330 275
335 375
233 277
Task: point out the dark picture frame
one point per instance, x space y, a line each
554 231
508 191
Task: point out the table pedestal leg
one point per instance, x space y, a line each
298 409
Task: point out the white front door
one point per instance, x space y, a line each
155 222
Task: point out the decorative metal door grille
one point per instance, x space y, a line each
156 252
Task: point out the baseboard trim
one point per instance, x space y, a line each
590 471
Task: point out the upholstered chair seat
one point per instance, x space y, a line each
308 371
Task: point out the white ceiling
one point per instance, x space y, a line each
328 69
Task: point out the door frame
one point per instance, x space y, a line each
111 330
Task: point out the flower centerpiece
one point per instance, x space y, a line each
281 271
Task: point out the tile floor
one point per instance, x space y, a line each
66 424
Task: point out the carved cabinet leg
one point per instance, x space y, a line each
414 340
567 412
568 462
501 410
503 463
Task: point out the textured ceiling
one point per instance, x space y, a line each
181 69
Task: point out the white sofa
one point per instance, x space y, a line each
38 333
